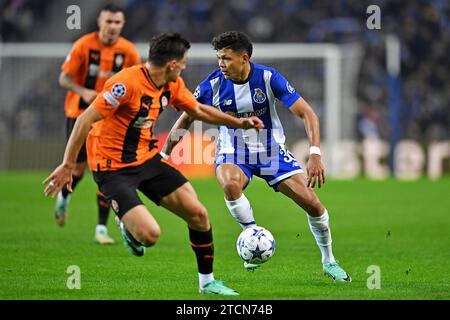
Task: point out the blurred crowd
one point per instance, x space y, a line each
18 18
422 27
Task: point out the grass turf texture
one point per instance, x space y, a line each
402 227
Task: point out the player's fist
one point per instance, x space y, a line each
252 122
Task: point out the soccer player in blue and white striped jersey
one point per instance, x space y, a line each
243 89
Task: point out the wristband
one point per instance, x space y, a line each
164 155
314 150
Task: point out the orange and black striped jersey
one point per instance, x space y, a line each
130 104
91 63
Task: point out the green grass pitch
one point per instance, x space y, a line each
401 227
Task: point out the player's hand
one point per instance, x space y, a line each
62 176
252 122
316 171
88 95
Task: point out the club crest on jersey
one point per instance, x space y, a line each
118 90
259 96
115 206
289 87
118 61
164 102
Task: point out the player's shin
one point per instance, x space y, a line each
320 228
103 209
203 246
242 211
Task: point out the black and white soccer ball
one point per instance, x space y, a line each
256 245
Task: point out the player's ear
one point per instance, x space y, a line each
245 58
171 64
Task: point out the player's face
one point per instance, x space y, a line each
110 26
232 64
176 67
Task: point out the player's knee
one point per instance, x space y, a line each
200 218
232 189
150 236
314 206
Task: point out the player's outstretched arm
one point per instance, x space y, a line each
62 175
315 168
175 134
211 115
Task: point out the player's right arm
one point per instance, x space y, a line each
67 81
62 175
207 114
75 61
176 134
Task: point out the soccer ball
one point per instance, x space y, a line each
255 245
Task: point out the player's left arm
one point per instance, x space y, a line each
315 168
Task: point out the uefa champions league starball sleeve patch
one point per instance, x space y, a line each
118 90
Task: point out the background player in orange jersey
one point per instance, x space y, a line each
94 58
123 155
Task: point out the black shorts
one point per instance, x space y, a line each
82 156
154 178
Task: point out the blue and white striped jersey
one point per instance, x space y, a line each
255 97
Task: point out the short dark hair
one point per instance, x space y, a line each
235 40
110 7
167 46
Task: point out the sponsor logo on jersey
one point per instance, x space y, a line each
255 113
227 102
259 96
143 123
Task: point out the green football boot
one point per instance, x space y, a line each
130 243
335 272
251 266
61 209
217 287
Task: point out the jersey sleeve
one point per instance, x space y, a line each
117 91
203 93
181 98
282 89
74 60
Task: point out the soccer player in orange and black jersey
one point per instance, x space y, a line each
94 58
122 152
